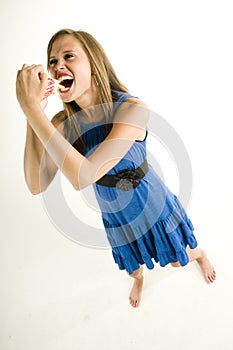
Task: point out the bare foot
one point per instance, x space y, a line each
136 291
206 267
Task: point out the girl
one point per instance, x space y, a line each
100 138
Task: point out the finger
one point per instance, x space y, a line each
36 69
43 77
26 67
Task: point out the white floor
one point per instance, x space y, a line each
58 295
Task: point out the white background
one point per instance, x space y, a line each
176 56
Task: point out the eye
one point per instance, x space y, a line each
68 56
52 62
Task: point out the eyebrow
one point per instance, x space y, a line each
66 51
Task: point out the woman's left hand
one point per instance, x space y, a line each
31 84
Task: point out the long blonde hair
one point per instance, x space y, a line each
105 79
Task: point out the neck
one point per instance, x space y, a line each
89 98
90 105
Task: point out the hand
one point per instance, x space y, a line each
44 103
31 84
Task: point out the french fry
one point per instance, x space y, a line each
53 87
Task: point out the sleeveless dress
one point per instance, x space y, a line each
145 223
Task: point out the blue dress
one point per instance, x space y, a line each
145 223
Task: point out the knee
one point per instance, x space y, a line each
136 273
175 264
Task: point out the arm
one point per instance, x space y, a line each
39 168
129 124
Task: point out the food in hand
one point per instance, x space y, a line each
53 87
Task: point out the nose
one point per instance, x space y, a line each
60 64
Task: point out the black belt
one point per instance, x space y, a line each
126 179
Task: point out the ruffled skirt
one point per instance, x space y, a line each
163 243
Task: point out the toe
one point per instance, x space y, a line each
208 279
212 277
132 302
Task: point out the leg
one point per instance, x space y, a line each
136 291
200 257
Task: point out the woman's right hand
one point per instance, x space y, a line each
31 84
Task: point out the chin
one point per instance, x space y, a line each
67 99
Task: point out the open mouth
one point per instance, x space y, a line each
65 83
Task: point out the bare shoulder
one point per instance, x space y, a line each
133 101
132 111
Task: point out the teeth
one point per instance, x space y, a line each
65 77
